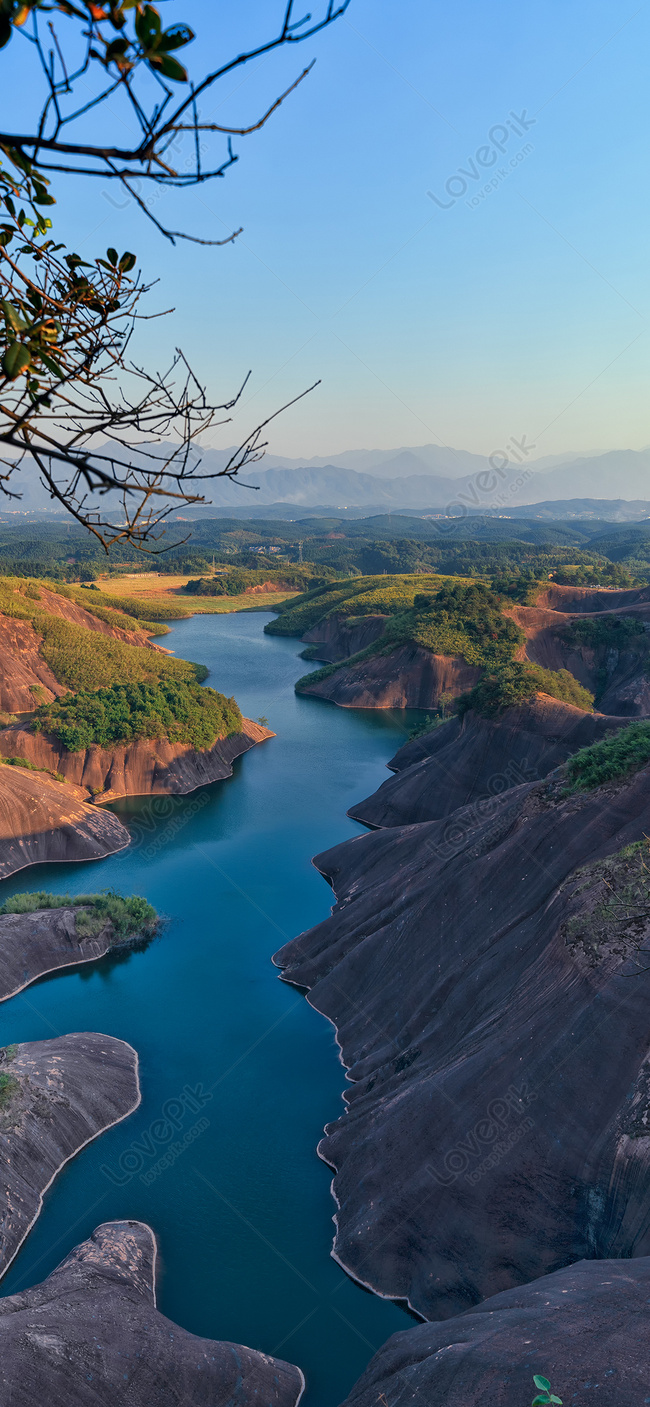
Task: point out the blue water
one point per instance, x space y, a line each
244 1214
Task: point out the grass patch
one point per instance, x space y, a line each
85 659
130 917
515 683
617 755
175 709
9 1086
361 596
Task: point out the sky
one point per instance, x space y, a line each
433 306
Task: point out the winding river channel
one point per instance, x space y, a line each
241 1064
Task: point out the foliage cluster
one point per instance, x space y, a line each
175 709
517 682
377 595
610 632
464 620
130 917
239 579
618 755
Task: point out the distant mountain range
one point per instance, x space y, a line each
426 478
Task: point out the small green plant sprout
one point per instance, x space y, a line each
263 720
544 1395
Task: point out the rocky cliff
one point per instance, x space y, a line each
406 677
42 821
55 1097
585 1328
35 943
472 761
140 768
91 1335
475 1007
337 637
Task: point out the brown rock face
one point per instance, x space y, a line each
585 1328
497 1122
337 639
44 941
408 677
61 1094
472 762
42 821
141 768
91 1335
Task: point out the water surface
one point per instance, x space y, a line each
243 1214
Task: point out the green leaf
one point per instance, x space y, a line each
16 359
127 262
176 37
147 26
12 316
542 1383
170 68
51 365
44 200
542 1400
556 1399
112 256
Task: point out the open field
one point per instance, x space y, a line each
149 586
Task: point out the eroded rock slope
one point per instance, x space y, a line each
55 1096
497 1125
91 1335
43 821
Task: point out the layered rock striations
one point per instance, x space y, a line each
585 1328
498 1120
46 940
91 1335
470 761
144 767
55 1097
44 821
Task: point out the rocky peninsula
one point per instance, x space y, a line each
43 820
91 1334
48 939
55 1097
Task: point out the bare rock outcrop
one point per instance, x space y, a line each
44 941
407 677
55 1097
91 1335
586 1328
498 1120
43 821
144 767
473 761
337 637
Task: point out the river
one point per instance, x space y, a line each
244 1066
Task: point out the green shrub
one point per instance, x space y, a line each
175 709
129 917
617 755
9 1086
613 632
516 682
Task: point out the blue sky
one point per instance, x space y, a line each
521 314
